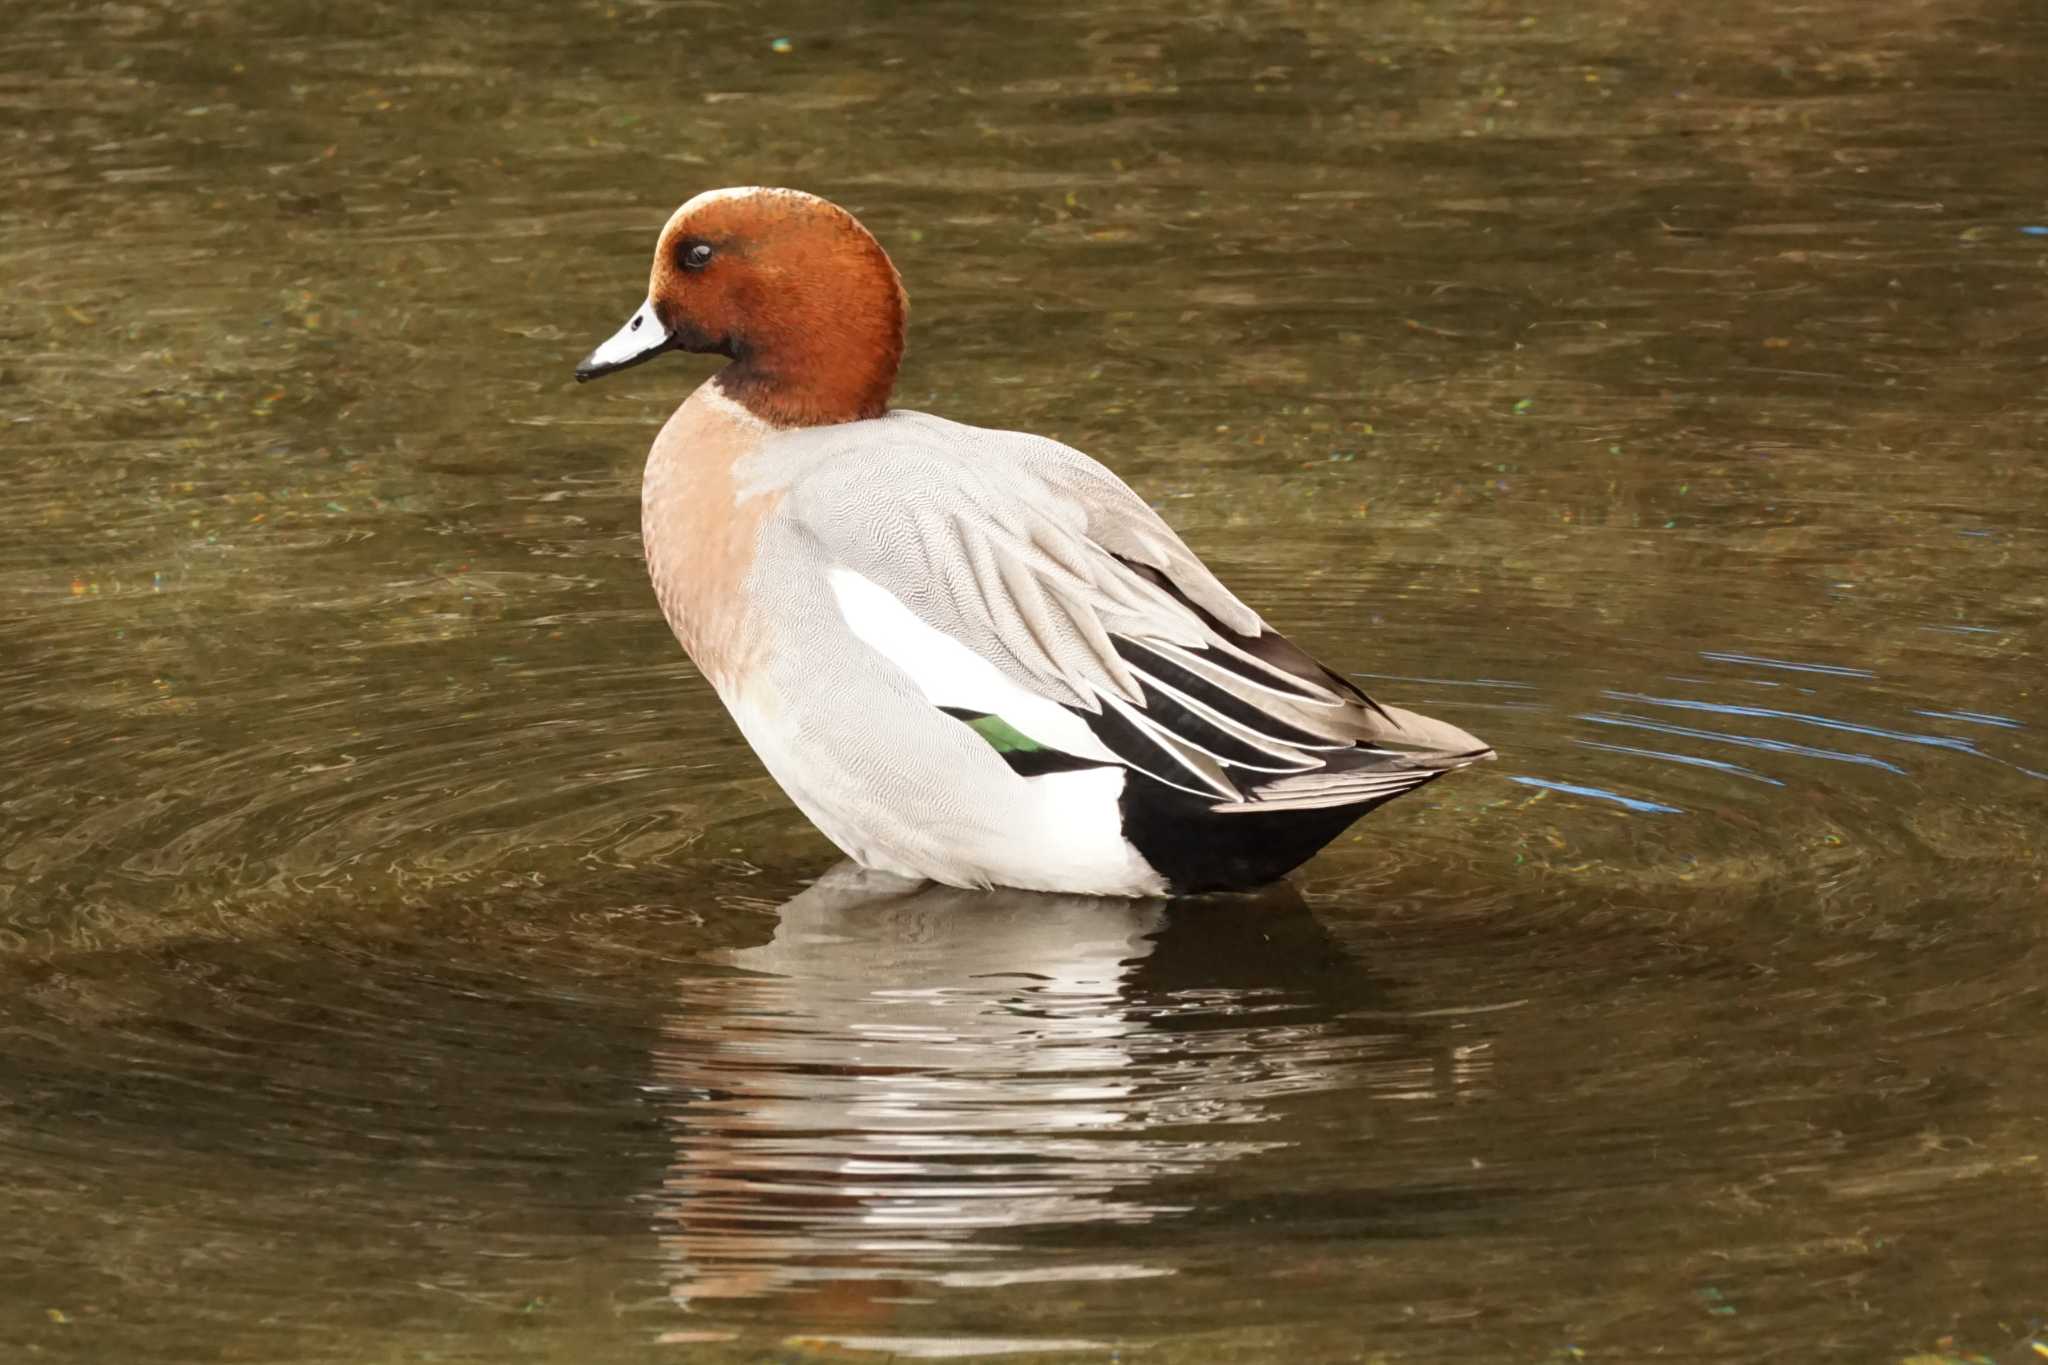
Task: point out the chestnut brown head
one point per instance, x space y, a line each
790 287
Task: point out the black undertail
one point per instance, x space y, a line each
1197 848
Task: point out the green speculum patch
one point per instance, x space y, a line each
1002 736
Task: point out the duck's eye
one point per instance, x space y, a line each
696 256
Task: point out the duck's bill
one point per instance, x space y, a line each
642 338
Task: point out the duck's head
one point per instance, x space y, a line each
790 287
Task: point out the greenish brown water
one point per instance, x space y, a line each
403 959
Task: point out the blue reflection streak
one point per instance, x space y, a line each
1689 760
1976 718
1961 746
1776 746
1598 794
1757 660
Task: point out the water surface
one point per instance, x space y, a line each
402 958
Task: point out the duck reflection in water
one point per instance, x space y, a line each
917 1085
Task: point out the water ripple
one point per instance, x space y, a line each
1802 717
1776 746
1688 760
1759 661
1631 802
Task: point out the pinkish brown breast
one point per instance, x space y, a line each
700 532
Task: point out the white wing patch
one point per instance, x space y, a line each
951 674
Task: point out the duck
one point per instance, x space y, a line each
969 656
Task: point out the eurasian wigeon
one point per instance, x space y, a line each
968 655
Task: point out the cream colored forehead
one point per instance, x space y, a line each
733 194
